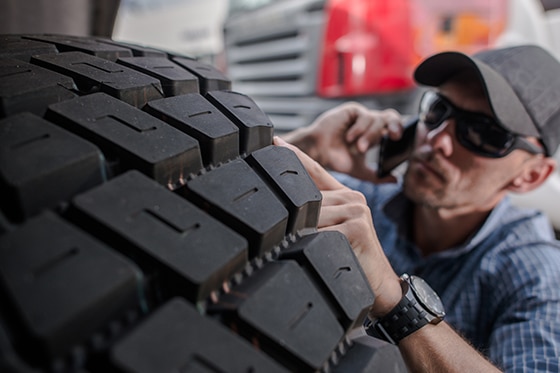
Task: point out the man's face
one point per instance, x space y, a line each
444 174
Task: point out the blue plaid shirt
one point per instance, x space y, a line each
500 289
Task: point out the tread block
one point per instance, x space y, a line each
329 257
176 338
288 177
15 47
42 165
174 79
135 137
26 87
93 74
209 78
194 115
369 354
65 43
236 194
64 283
285 312
137 50
9 359
193 252
255 127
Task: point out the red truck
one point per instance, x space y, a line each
296 58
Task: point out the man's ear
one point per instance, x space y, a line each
533 175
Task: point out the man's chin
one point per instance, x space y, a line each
422 190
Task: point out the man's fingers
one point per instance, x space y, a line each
370 125
362 121
354 203
320 176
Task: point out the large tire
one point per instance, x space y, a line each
148 225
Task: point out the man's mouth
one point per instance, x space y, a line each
427 162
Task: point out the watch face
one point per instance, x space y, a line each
427 296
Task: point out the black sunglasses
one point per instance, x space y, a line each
479 133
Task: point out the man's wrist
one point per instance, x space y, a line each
419 306
386 298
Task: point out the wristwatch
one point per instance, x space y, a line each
419 306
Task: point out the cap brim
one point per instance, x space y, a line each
505 104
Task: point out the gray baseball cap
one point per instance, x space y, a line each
522 84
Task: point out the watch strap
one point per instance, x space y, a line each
405 318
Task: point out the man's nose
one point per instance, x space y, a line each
441 138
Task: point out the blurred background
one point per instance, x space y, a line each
298 58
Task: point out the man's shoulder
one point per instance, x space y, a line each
522 238
524 226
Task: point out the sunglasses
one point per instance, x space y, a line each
479 133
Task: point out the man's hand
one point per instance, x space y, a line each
434 348
346 211
340 138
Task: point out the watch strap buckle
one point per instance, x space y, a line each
376 330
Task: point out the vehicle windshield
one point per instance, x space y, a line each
236 6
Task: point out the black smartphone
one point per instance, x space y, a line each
392 153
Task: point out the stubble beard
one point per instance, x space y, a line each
421 190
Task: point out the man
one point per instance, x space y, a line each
488 128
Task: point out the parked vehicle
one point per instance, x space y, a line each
191 27
297 58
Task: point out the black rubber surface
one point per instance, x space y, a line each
148 225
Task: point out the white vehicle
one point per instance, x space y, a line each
191 27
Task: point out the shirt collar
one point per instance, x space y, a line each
399 210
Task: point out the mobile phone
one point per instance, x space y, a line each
392 153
